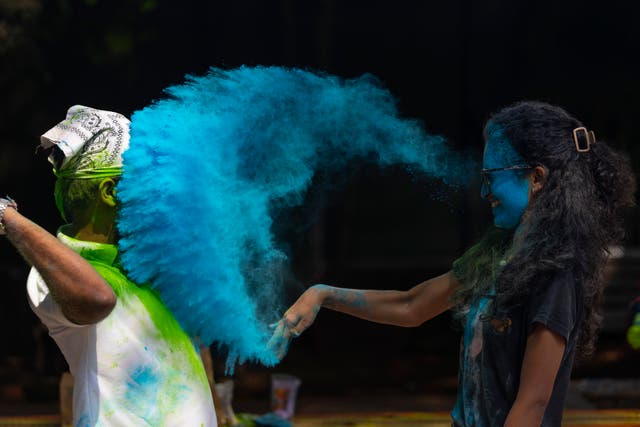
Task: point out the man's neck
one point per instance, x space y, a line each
89 233
96 225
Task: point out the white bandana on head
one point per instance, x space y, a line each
90 143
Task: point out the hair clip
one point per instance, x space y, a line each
589 137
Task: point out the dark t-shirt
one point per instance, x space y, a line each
492 351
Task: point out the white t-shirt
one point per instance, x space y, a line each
136 367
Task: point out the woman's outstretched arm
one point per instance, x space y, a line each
401 308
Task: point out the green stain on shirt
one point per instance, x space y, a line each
169 328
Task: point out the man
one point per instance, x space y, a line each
133 364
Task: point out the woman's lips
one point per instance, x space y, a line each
492 201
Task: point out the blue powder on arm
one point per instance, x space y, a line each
351 297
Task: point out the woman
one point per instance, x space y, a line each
529 292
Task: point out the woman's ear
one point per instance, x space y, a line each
108 192
537 179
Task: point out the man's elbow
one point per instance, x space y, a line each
104 304
93 308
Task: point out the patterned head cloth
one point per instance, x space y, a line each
88 144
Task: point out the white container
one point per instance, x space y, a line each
284 391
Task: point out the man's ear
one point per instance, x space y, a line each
107 191
537 179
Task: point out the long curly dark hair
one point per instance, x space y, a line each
569 225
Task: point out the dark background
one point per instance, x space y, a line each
449 63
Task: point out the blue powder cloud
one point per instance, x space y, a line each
208 167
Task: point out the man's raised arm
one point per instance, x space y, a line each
75 285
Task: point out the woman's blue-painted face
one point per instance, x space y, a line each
508 190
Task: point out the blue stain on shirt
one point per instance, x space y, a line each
470 380
83 421
142 393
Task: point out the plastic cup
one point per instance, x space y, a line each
284 391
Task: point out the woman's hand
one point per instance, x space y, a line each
297 319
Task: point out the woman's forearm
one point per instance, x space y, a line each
400 308
387 307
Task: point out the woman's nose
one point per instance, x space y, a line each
484 190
